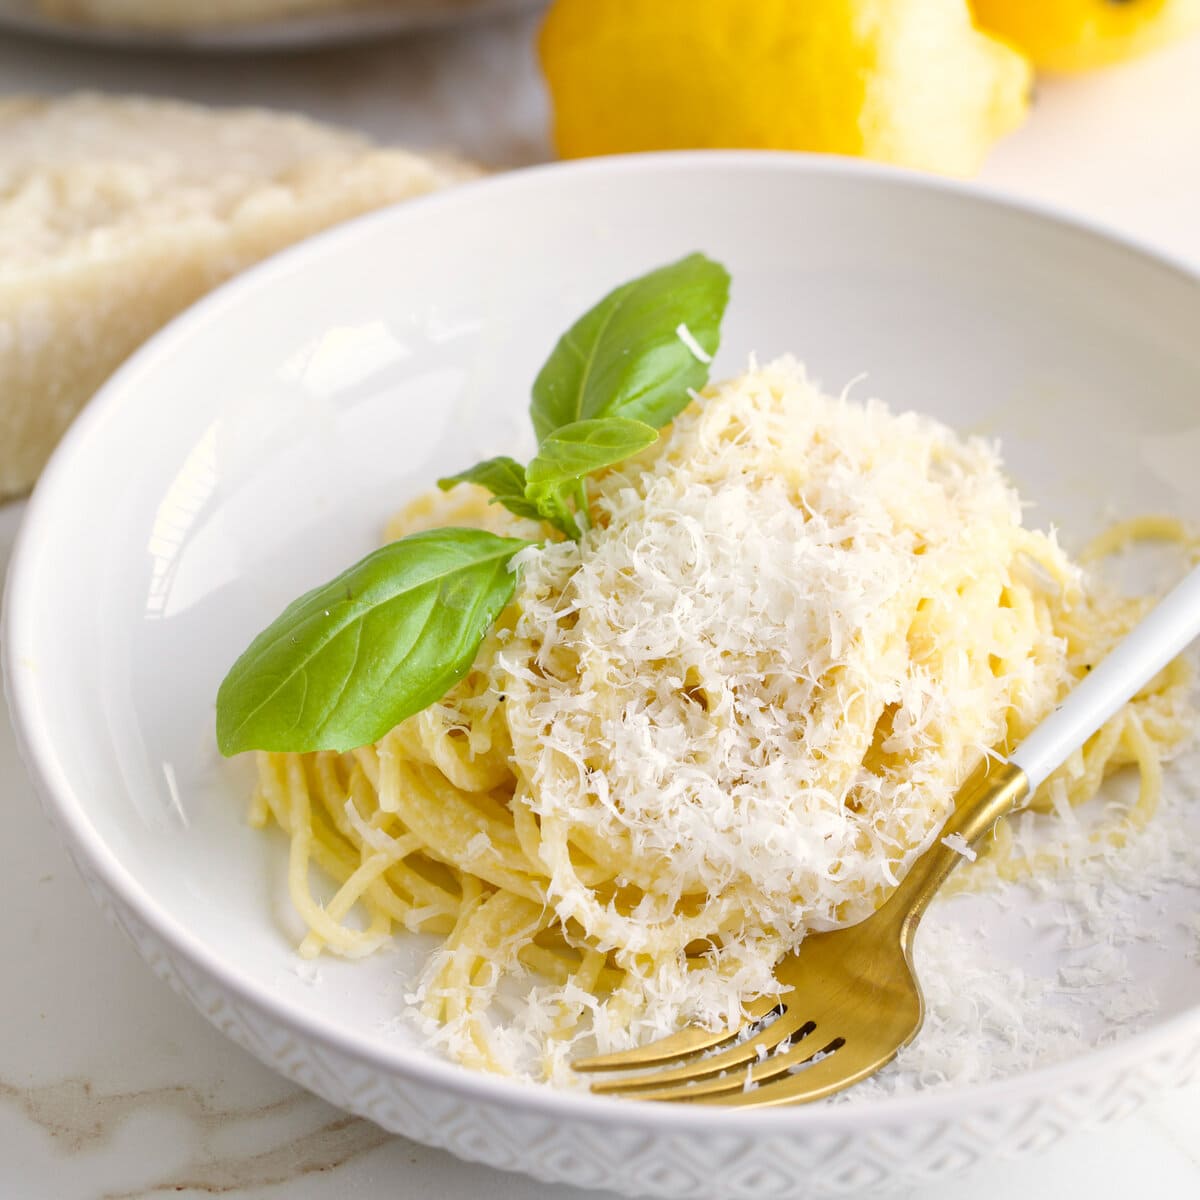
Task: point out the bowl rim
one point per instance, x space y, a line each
68 810
299 31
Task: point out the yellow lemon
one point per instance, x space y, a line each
1073 35
904 81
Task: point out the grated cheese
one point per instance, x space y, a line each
685 335
959 844
760 677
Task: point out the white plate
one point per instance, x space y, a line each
339 25
257 445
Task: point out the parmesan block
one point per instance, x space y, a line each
118 212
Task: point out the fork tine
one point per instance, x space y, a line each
720 1089
841 1069
688 1041
786 1026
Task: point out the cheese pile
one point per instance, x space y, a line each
741 704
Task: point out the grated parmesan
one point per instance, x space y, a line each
761 675
959 844
685 335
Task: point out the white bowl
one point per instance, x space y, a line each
257 445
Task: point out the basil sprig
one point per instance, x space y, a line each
348 661
573 452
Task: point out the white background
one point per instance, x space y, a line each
110 1086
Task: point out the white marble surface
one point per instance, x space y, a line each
110 1086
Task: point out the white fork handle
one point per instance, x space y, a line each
1158 638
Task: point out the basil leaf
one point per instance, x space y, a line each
625 358
504 477
582 447
349 660
574 451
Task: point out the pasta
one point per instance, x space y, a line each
735 711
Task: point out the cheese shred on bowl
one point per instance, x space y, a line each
733 712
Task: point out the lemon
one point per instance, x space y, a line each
1073 35
903 81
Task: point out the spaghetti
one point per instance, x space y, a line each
735 711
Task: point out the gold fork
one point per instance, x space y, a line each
849 1000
